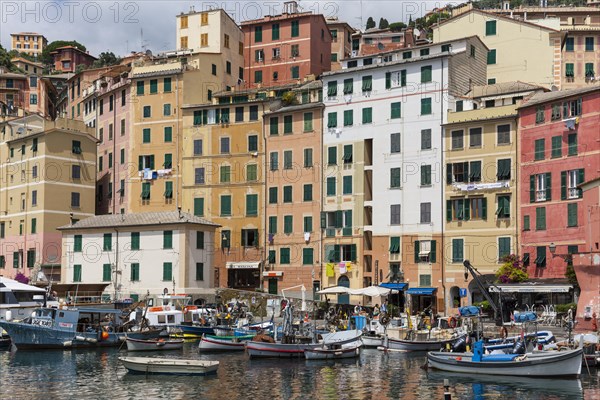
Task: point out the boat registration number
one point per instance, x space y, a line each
41 322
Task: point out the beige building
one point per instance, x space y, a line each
28 42
48 178
293 137
534 60
223 181
481 207
341 41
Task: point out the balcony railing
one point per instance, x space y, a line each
540 195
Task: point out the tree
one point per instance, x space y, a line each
370 23
106 59
47 59
397 26
383 23
5 59
512 270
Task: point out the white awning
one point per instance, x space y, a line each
243 265
529 288
9 285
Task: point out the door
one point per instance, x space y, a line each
345 282
273 286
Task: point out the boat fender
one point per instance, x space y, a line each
80 338
68 343
452 322
92 340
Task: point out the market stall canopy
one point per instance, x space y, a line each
371 291
424 291
335 290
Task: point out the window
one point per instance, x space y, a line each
274 126
76 272
503 210
426 74
295 72
288 224
539 115
168 190
540 150
395 214
569 180
395 111
307 256
332 120
288 159
198 147
395 178
199 176
540 218
425 175
457 139
107 242
395 143
295 28
348 117
572 144
406 55
367 83
332 89
308 192
308 122
106 272
472 51
503 169
77 243
213 69
295 51
101 105
275 32
251 205
332 155
348 86
458 210
475 137
167 239
166 110
426 106
228 67
556 147
100 163
284 255
224 145
589 43
225 174
287 194
33 100
491 57
347 184
474 171
570 44
308 158
273 195
75 172
274 160
426 139
199 206
308 224
135 240
225 239
589 70
147 111
347 156
146 135
457 250
503 248
425 213
331 186
75 147
424 52
540 260
272 225
571 108
569 70
540 187
503 134
251 173
75 200
490 28
167 271
572 214
145 191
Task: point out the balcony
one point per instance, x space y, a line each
540 195
330 232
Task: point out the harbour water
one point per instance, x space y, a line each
97 374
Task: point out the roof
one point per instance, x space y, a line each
26 61
12 75
494 15
502 88
540 98
137 219
296 107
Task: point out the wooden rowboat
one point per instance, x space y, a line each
328 353
175 366
154 344
216 343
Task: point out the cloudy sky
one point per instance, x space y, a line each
124 26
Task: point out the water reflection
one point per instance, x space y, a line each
76 374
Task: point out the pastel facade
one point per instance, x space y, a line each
27 93
142 253
341 41
68 58
28 42
49 178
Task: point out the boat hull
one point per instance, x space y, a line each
193 331
415 345
214 344
149 365
372 341
154 345
260 349
331 354
547 364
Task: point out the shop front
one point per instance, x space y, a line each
243 275
422 299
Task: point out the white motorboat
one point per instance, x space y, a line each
372 340
154 344
177 366
415 345
223 343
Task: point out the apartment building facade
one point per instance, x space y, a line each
341 41
49 178
382 150
30 43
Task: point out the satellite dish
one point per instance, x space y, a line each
380 46
149 53
20 131
42 277
553 88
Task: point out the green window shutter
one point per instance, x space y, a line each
77 243
199 240
146 135
251 173
274 126
580 179
475 171
135 240
251 205
491 57
332 120
168 134
287 194
395 178
76 272
323 220
425 175
199 206
339 216
563 185
467 209
332 155
426 106
225 206
432 253
457 250
272 256
417 247
347 184
33 226
490 28
503 248
167 239
426 74
353 252
367 83
526 223
168 161
403 77
273 225
308 224
308 158
539 149
284 255
307 256
273 195
448 210
140 88
348 118
532 188
153 86
548 186
107 245
307 192
295 28
367 115
308 122
540 218
395 244
106 272
287 124
167 271
288 224
572 144
484 208
388 80
571 214
569 70
332 89
258 34
348 86
395 111
167 85
556 146
331 186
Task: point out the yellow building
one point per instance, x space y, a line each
28 42
48 178
480 142
518 50
223 181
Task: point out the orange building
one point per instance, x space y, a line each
67 58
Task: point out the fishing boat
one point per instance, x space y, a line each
173 366
70 328
370 340
223 343
5 341
154 344
540 364
332 352
416 345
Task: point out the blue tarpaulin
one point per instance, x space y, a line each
468 311
427 291
525 316
393 285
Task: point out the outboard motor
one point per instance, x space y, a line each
519 348
460 345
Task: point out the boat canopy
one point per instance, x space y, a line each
394 285
9 285
425 291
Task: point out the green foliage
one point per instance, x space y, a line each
563 308
47 59
5 59
370 23
80 67
572 277
289 98
512 270
484 305
397 26
383 23
106 59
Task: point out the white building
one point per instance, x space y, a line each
140 253
383 158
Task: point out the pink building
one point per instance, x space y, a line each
281 49
67 58
558 152
113 131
